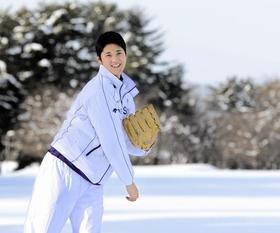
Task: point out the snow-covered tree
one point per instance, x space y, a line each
10 97
51 50
242 125
234 95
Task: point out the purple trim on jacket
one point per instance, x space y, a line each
60 156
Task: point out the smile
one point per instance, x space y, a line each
116 65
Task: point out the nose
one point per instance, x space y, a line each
114 59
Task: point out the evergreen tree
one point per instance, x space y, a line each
51 50
235 95
10 97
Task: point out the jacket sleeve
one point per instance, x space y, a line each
132 150
109 130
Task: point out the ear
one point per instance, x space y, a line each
99 60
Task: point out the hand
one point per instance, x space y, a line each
132 191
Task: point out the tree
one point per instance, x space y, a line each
51 51
267 126
243 121
10 97
235 95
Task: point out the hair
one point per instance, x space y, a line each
106 38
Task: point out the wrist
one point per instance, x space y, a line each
128 185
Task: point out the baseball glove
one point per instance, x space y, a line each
142 128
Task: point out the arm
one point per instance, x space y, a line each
132 150
109 131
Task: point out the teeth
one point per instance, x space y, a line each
116 66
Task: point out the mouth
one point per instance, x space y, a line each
116 66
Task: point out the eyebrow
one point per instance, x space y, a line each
117 50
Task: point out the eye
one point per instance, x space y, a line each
119 53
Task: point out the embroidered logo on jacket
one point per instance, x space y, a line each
121 111
116 110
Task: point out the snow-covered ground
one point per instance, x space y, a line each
175 198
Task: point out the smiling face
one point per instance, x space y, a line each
113 58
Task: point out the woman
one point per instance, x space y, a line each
90 145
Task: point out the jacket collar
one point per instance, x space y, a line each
109 76
127 82
130 85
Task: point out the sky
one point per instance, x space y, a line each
214 39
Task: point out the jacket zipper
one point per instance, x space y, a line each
120 93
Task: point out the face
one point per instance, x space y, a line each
113 58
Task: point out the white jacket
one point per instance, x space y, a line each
92 136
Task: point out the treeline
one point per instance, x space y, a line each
47 55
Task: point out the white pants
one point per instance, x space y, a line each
60 193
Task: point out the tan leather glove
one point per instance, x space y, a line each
142 128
